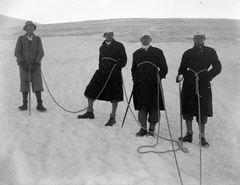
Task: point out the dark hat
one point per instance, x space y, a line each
29 23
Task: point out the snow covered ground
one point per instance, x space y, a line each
56 148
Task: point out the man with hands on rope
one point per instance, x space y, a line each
198 67
29 53
106 83
149 65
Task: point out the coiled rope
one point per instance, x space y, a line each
158 134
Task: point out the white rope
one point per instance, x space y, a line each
158 135
199 118
88 105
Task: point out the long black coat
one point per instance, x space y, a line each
145 66
109 56
198 58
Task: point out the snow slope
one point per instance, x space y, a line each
56 148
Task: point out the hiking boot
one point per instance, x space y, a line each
204 142
41 108
87 115
24 106
142 132
111 121
151 132
187 138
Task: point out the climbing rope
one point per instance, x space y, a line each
199 117
158 134
85 107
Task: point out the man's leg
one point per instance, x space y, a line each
39 101
25 101
189 135
154 118
24 88
142 118
89 114
204 143
112 119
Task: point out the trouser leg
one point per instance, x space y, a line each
142 117
25 96
114 108
90 105
189 126
154 117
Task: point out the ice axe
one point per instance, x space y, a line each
29 89
127 108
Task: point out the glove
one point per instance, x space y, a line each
24 66
179 78
34 67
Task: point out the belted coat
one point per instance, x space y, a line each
199 66
145 67
29 52
106 83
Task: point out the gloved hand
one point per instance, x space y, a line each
179 78
24 66
34 67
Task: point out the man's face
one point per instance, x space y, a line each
109 36
145 40
29 28
199 39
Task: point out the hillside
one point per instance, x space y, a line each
163 30
10 21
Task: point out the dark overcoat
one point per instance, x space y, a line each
145 67
198 62
106 83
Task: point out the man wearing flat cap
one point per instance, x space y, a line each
29 53
149 63
106 83
199 65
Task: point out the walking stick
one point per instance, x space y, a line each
180 100
127 108
29 90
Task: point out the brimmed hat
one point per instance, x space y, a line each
108 30
29 23
145 33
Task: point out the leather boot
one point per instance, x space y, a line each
40 106
111 121
187 138
24 106
87 115
142 132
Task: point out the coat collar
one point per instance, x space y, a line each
104 42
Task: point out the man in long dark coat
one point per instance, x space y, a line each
29 53
106 83
148 67
198 67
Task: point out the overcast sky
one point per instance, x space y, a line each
57 11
